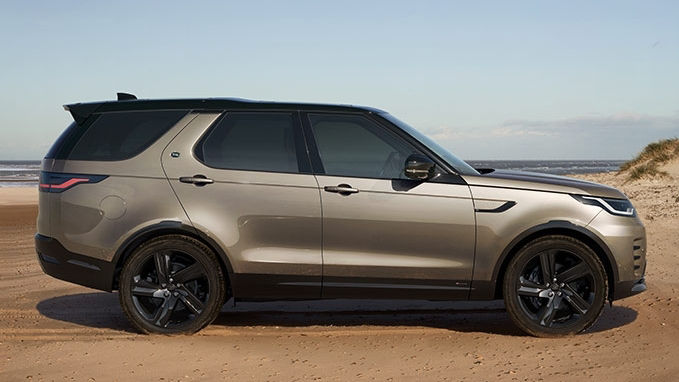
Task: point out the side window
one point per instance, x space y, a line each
253 141
121 135
352 145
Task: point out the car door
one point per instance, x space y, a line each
244 179
385 235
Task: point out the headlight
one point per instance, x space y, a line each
622 207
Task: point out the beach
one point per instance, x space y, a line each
53 330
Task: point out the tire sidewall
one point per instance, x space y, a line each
199 253
528 252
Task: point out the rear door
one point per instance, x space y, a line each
383 234
246 181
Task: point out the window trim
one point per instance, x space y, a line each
445 174
301 149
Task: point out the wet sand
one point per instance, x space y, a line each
53 330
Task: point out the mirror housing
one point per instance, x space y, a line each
419 167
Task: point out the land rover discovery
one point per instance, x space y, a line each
181 205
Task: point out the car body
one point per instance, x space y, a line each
308 207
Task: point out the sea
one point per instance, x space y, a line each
25 173
19 173
554 167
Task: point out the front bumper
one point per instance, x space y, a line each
629 288
60 263
624 241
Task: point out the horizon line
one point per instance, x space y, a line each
466 160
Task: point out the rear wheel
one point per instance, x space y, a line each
172 285
555 286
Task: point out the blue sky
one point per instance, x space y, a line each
489 80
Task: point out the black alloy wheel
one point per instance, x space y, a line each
170 285
555 286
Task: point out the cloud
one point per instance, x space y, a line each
621 123
616 121
578 137
497 132
508 131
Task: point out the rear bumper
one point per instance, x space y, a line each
58 262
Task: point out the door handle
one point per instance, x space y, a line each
342 189
198 180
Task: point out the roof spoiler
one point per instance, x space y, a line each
81 111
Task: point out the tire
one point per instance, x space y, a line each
543 307
172 285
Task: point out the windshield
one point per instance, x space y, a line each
458 164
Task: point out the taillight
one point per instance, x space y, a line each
58 182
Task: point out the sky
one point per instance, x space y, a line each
487 79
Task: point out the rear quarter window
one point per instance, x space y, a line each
120 135
254 141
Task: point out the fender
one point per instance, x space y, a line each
164 228
492 289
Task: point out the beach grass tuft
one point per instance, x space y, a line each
647 163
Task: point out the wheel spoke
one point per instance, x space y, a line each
165 311
529 288
547 265
529 292
529 284
162 261
146 289
189 273
547 312
573 273
191 301
145 292
576 301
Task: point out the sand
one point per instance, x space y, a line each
12 196
53 330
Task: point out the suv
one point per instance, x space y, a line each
181 205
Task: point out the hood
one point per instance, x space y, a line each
542 182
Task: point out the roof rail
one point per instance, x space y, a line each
126 96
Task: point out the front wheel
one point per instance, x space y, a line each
554 286
171 285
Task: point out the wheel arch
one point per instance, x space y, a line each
168 228
557 227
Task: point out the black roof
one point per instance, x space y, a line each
81 111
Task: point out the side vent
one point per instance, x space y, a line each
639 258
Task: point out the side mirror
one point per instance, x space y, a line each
419 167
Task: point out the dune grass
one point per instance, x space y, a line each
647 163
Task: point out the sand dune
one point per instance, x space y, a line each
671 168
50 329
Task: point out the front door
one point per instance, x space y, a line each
385 235
245 180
